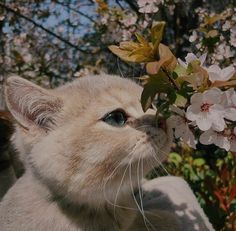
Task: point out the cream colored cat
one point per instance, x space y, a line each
86 146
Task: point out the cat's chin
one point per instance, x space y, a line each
118 191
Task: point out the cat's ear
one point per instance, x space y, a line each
31 104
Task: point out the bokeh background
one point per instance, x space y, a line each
51 42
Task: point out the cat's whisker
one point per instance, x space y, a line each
104 187
144 126
139 186
159 162
122 179
158 174
118 64
135 200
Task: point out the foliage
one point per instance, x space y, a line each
210 172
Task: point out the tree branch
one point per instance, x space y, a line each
76 11
43 28
132 5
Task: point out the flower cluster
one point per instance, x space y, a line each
212 111
149 6
216 34
200 99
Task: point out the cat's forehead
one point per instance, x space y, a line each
104 91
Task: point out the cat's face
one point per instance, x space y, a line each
88 139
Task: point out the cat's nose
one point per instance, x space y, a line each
148 123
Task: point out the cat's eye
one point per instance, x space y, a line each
115 118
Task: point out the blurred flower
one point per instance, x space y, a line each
149 6
104 19
229 103
226 26
225 139
182 130
126 35
193 37
192 57
206 110
129 20
82 72
218 74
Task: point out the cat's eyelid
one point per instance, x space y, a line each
116 110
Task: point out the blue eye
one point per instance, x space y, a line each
116 118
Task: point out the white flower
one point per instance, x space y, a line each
192 57
104 19
27 58
129 20
229 98
225 139
149 6
217 74
226 26
82 72
182 130
193 37
206 110
126 35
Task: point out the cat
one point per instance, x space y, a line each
86 146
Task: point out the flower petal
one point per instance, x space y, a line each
222 142
233 146
192 113
227 73
202 58
203 122
207 137
213 95
182 63
190 57
197 98
230 114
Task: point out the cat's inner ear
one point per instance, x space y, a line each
31 104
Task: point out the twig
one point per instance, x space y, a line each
170 79
76 11
132 5
43 28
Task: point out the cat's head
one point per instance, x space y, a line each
87 139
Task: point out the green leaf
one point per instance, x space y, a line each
158 83
199 162
180 70
180 101
233 206
175 158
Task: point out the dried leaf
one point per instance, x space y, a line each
122 53
141 39
212 34
129 46
133 52
211 20
167 60
224 84
166 54
157 34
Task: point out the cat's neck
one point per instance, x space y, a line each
87 217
